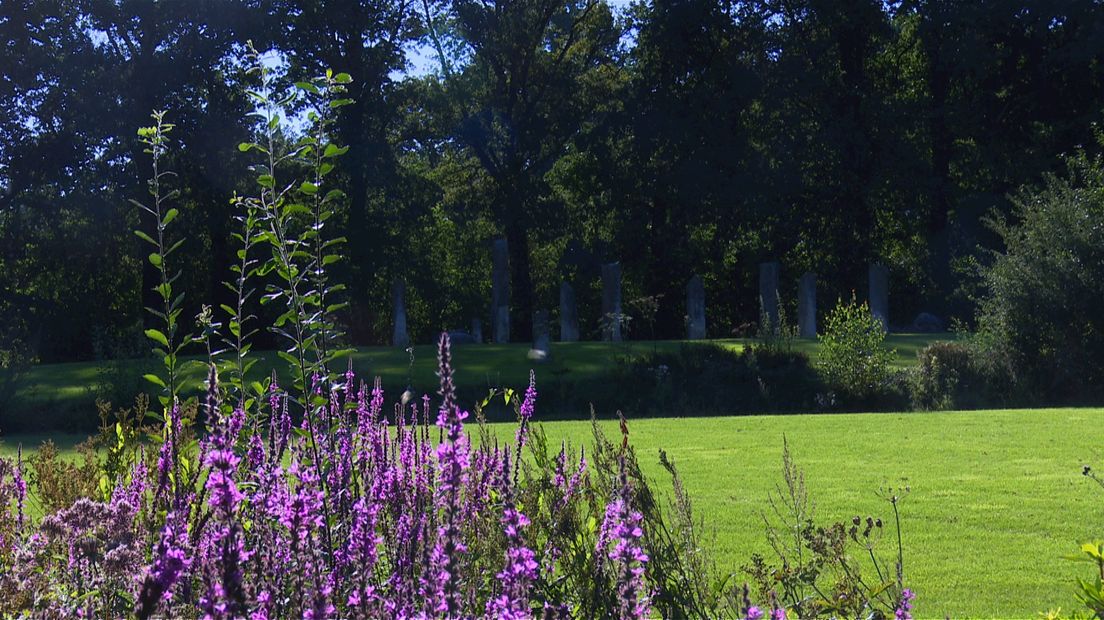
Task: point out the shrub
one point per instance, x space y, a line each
1040 320
704 378
854 359
16 357
946 377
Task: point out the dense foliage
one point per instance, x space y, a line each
677 137
854 358
1040 329
948 377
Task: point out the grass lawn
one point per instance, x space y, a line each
997 496
48 391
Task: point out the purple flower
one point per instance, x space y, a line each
453 460
621 527
171 560
904 608
225 495
525 413
520 569
754 613
20 487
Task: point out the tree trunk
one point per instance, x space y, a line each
521 282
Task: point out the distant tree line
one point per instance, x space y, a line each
677 136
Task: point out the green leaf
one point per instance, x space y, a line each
337 103
157 336
170 215
289 358
343 78
307 86
308 188
330 259
245 147
143 236
332 150
154 379
155 259
266 180
174 247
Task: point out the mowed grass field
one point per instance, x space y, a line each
997 497
47 391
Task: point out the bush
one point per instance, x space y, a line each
16 357
703 378
947 378
1040 321
854 359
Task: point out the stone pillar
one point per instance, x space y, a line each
611 301
477 331
879 293
695 309
500 291
569 314
768 292
542 335
806 306
399 337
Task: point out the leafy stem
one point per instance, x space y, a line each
155 138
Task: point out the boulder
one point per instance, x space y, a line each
461 337
927 323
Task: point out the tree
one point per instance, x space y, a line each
532 74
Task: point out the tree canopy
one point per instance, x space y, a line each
679 137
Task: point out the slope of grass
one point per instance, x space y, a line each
51 395
997 498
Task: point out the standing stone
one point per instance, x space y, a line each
542 335
611 301
500 291
477 331
569 314
768 292
879 293
806 306
695 309
399 337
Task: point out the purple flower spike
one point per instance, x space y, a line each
904 609
528 406
171 560
20 487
